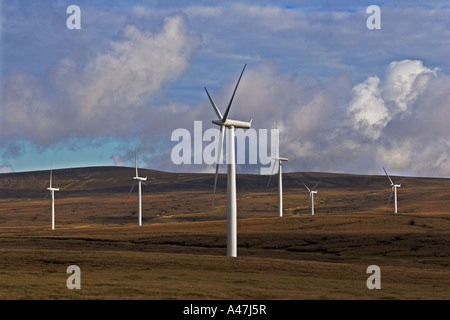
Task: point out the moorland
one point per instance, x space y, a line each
180 250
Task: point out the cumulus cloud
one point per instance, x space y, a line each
401 115
374 103
110 96
368 109
135 68
404 81
422 132
395 119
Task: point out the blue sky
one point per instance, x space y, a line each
346 98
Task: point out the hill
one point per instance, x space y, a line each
173 194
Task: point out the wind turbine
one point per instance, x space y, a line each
224 122
52 192
311 196
140 181
278 159
394 187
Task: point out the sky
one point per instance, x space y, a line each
345 96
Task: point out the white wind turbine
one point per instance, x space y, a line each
278 159
394 187
52 192
224 122
140 181
311 196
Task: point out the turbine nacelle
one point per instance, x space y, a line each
233 123
53 189
280 159
140 178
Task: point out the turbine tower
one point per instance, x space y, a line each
224 122
278 159
394 187
311 196
140 181
52 192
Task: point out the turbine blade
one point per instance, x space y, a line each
390 196
316 185
273 169
398 182
214 105
132 187
275 165
388 176
215 185
269 181
306 186
220 151
135 162
46 195
219 157
225 117
277 143
51 174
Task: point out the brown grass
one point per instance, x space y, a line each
180 251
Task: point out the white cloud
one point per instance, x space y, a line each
6 169
27 111
377 102
367 108
136 68
110 96
403 116
404 81
396 156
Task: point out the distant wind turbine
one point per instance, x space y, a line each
311 196
394 187
52 192
224 122
277 163
140 180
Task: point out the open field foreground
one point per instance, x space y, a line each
180 250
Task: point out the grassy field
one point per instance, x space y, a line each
180 251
